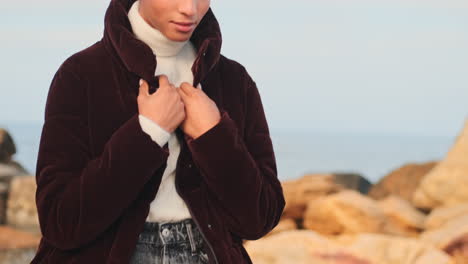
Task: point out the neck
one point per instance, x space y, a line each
155 39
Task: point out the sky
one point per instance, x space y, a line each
381 66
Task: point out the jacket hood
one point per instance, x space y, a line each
138 57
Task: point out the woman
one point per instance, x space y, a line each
127 174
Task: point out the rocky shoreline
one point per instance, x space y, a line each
417 214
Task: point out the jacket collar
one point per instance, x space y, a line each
138 57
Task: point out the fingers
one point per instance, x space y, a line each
144 88
163 80
182 93
187 88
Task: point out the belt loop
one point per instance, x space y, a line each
188 225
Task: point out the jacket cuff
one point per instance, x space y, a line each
156 132
206 144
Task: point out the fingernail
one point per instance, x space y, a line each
141 81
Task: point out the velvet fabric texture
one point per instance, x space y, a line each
97 171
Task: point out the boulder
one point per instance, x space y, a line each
8 167
17 247
353 181
446 236
21 205
292 208
345 212
386 249
402 218
7 146
447 183
284 224
5 181
458 249
450 235
300 191
441 215
3 201
402 182
299 247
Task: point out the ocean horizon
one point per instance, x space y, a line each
372 155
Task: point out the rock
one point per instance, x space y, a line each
299 192
458 249
345 212
312 186
292 208
450 235
284 225
447 235
441 215
385 249
307 246
402 182
7 171
17 247
402 218
299 247
5 181
8 167
11 169
447 183
7 146
353 182
3 201
21 205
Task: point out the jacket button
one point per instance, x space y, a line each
165 232
190 165
209 226
204 53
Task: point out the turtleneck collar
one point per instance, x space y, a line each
155 39
138 58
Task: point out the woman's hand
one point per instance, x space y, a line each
201 113
164 106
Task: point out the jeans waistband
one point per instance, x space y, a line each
160 234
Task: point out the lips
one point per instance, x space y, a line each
184 23
184 26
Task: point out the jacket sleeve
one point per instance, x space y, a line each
241 172
79 195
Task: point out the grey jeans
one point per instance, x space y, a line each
170 243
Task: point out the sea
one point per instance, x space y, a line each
373 155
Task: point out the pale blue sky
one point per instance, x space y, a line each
383 66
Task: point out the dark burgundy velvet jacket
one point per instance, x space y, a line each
98 171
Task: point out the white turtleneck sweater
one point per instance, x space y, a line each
175 60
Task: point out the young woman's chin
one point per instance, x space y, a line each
176 35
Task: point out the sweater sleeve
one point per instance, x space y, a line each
154 130
80 194
240 172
